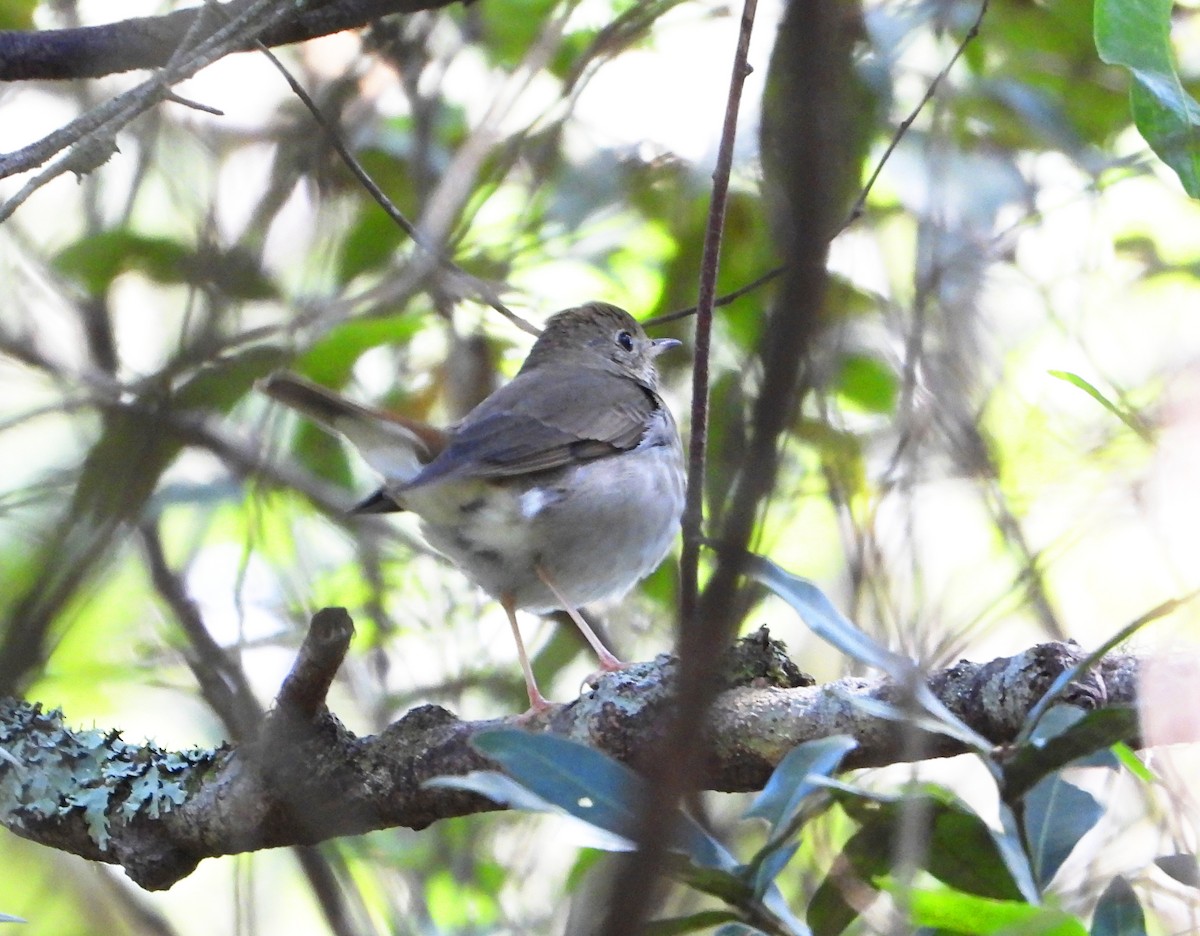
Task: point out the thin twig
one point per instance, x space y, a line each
720 301
91 136
861 201
481 289
637 881
710 262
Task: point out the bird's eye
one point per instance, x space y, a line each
625 340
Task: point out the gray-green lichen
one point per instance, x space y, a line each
48 770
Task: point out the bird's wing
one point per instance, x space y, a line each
516 432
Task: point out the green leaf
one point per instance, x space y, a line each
1066 733
1057 815
330 360
828 623
505 791
952 911
507 35
1129 417
789 785
1128 758
1182 867
592 787
962 848
222 385
17 14
95 261
688 924
98 259
1137 35
868 852
1118 912
868 383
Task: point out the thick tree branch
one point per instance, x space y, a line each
149 42
305 778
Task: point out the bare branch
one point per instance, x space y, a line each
148 42
303 780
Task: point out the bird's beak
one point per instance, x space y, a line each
659 345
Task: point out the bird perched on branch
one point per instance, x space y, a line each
563 487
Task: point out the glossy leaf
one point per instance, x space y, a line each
1137 35
789 785
675 926
767 870
1065 734
824 620
952 911
1057 815
505 791
1118 912
592 787
1182 867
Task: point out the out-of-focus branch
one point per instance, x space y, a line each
148 42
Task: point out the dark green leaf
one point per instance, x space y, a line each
1182 867
1137 35
869 855
369 244
789 784
963 851
1118 913
1066 733
98 259
767 869
508 35
222 384
1057 815
688 924
591 787
824 620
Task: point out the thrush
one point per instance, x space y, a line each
563 487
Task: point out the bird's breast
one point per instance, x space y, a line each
596 527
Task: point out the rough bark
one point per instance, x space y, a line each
306 778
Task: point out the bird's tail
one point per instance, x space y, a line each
393 445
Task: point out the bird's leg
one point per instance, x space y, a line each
537 701
608 662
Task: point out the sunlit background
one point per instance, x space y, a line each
1004 447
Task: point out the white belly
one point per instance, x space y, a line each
595 529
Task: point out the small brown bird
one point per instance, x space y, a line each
563 487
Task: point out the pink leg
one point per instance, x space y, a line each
537 701
608 662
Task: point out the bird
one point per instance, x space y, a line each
562 487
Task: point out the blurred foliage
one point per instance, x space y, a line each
996 444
